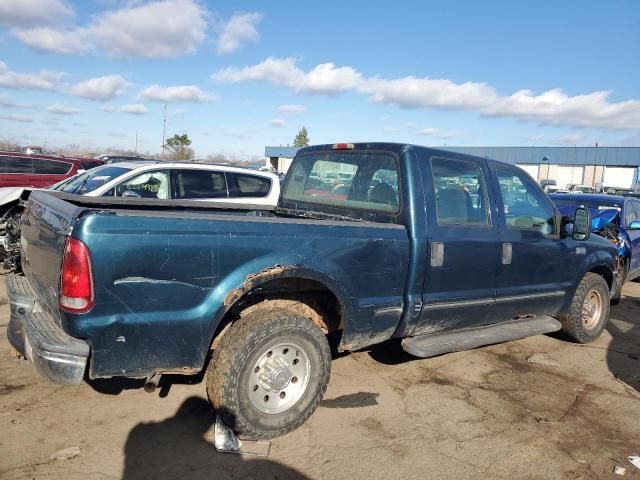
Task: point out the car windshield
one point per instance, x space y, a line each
89 181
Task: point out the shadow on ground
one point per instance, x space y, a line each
623 356
175 448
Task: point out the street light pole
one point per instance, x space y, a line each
164 126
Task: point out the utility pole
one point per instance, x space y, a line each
164 126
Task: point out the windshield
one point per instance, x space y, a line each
89 181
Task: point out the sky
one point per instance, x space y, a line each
239 75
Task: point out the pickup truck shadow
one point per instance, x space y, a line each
116 385
623 355
176 448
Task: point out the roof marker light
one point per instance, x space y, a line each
342 146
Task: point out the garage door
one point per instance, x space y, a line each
530 169
619 177
569 175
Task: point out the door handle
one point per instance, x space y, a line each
437 254
507 253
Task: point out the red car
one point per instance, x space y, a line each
39 171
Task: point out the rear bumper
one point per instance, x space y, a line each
56 355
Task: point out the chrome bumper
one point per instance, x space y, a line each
56 355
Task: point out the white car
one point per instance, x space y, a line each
168 181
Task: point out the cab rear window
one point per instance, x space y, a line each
353 180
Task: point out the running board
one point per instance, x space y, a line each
425 346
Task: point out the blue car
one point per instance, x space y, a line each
616 218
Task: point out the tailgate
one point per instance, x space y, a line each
46 223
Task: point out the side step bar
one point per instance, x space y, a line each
425 346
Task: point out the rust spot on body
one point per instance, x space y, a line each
235 294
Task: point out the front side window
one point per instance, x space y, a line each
461 194
526 207
16 165
252 185
192 184
355 180
632 212
146 185
51 167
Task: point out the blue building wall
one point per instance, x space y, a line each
608 156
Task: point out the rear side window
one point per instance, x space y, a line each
252 185
51 167
526 207
461 193
192 184
16 165
353 180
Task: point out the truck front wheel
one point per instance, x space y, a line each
589 310
268 373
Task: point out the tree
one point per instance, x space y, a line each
302 138
178 147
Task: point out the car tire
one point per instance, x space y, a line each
615 300
268 373
589 310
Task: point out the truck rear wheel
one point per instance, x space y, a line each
589 310
269 373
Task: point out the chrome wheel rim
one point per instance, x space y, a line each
591 309
279 378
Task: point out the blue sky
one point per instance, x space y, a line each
239 75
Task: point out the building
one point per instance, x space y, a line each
594 166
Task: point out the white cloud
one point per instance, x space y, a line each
553 107
428 132
278 122
292 109
157 29
161 29
62 109
7 102
324 78
101 88
54 41
19 118
43 80
178 93
133 109
31 13
240 28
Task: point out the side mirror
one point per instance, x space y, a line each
635 225
582 224
130 194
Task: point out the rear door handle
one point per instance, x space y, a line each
507 253
437 254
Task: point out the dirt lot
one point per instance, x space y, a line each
486 413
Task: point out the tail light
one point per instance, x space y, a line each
76 284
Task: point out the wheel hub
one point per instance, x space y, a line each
592 309
275 374
279 378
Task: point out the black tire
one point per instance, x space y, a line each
243 346
615 300
574 326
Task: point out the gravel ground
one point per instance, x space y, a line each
534 408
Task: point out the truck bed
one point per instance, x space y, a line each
165 273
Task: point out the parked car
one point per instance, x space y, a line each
119 158
39 171
138 288
615 218
143 179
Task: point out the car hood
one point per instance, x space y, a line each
9 194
